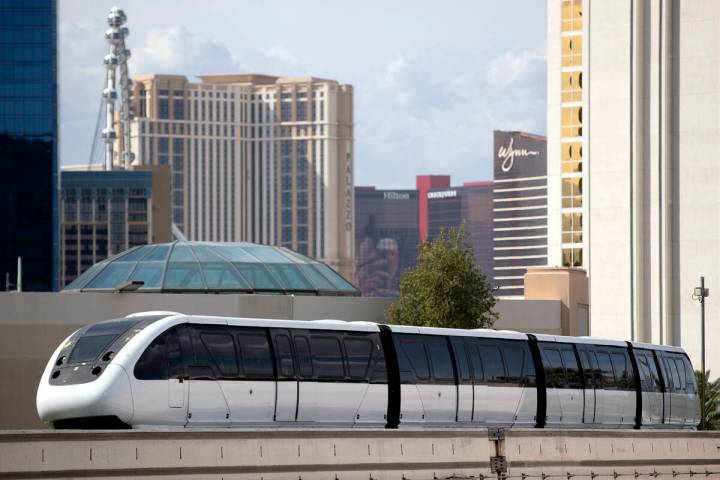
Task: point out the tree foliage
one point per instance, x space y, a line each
712 400
446 288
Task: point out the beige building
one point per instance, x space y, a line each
634 115
254 158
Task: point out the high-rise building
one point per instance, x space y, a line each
254 158
107 212
470 206
567 112
648 158
520 203
28 143
386 238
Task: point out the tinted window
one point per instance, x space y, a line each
572 370
222 350
115 326
359 353
440 359
174 354
515 362
492 364
623 376
152 364
379 373
689 375
681 373
87 349
255 355
461 360
302 348
606 370
478 372
286 368
327 358
554 372
413 360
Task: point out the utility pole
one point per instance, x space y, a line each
701 293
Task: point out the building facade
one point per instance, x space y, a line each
386 238
471 206
650 106
28 144
520 209
107 212
254 158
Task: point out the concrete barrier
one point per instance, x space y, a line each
406 454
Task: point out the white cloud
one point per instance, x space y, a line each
513 67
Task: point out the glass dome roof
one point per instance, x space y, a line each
210 267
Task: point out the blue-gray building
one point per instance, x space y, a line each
28 143
107 212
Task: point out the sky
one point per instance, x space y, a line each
432 80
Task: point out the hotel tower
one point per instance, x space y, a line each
254 158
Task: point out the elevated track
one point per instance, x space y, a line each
408 454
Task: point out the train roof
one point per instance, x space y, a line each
332 324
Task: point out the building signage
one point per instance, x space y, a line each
349 193
396 196
442 194
507 154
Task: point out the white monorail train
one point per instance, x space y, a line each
163 369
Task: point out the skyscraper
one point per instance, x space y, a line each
386 238
520 223
640 132
28 143
254 158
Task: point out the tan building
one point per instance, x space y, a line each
633 114
254 158
107 212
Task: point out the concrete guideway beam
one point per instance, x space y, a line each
409 454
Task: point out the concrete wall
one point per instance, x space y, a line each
360 454
32 325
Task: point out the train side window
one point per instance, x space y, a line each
222 350
492 364
199 364
646 384
571 367
461 361
514 359
587 369
654 375
623 375
681 373
554 372
255 355
327 357
440 359
689 375
605 366
302 348
478 372
174 354
379 370
286 366
359 353
153 364
415 351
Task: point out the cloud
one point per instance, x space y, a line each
514 67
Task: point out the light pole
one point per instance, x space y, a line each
700 294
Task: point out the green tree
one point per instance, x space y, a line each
445 289
712 400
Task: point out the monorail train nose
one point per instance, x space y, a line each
108 396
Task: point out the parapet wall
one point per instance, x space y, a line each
408 454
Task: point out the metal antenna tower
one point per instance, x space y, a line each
116 59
